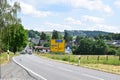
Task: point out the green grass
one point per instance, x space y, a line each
91 59
4 57
111 65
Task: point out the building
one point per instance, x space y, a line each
41 49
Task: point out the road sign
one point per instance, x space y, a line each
57 45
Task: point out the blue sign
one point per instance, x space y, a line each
58 40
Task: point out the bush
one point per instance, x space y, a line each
47 44
112 52
118 51
90 47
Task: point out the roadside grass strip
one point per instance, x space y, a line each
99 62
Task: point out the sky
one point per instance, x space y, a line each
60 15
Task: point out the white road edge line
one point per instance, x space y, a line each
65 69
29 70
87 75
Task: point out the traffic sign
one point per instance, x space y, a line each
57 45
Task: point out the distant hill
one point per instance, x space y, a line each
33 34
85 33
82 33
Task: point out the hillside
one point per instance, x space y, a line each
82 33
85 33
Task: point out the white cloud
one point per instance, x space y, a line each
117 3
56 26
107 9
28 9
73 21
91 5
108 28
97 23
93 19
86 4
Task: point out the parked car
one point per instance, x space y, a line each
30 52
23 52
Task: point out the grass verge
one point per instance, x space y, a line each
4 57
111 64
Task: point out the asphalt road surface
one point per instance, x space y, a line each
44 69
12 71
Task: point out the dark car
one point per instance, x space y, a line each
22 52
30 52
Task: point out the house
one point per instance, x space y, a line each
114 42
35 40
41 49
42 42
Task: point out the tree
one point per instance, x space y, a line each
85 47
67 37
31 34
100 47
78 38
8 16
18 37
5 38
43 36
111 51
47 44
1 44
31 44
60 36
8 13
70 38
90 47
118 51
55 35
48 38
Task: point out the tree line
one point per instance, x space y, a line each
110 36
85 45
89 47
13 36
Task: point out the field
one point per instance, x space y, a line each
99 62
4 57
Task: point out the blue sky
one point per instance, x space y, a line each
49 15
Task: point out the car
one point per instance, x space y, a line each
23 52
30 52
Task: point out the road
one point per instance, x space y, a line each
12 71
45 69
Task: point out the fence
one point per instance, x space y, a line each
87 59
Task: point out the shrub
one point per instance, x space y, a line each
112 52
118 51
